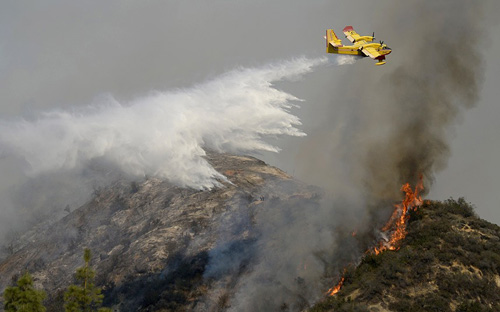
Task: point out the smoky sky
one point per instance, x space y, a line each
420 100
62 54
368 128
386 126
65 55
70 56
396 127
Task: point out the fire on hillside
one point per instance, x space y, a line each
395 227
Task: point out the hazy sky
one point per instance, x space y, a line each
60 54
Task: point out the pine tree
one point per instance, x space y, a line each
85 297
23 297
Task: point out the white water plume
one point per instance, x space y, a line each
164 134
346 59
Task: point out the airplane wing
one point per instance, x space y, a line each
351 35
371 52
374 54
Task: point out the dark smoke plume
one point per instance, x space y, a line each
422 97
395 130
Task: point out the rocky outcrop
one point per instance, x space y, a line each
151 240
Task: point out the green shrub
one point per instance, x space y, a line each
85 296
23 297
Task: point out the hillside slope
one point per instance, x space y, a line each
449 261
158 247
152 241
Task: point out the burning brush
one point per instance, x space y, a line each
395 229
396 225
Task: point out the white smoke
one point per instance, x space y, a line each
164 134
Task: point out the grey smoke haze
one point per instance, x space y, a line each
58 57
397 128
369 128
397 122
56 53
299 246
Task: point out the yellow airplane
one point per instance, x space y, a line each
363 45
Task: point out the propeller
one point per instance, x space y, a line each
381 42
373 35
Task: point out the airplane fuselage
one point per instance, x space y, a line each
350 50
356 49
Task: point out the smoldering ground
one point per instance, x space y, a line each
280 252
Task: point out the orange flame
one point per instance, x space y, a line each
396 224
399 218
332 291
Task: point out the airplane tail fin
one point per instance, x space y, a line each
332 41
